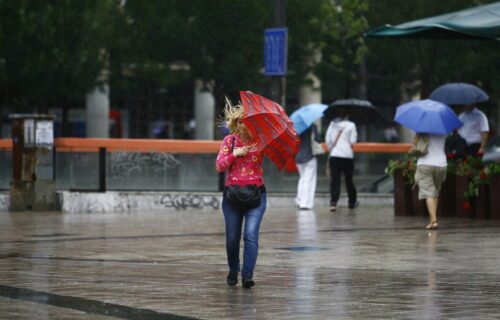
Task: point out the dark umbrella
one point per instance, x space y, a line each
459 93
361 111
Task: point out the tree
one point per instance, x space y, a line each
420 65
219 41
51 52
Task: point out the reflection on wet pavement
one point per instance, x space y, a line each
361 264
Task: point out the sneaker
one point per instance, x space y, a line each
333 206
354 205
232 278
247 282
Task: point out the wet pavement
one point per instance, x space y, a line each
353 264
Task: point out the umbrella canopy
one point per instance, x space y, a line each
427 116
361 111
271 127
305 116
459 93
481 22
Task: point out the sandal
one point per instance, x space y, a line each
432 225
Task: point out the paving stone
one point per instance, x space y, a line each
352 264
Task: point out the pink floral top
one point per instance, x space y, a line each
240 170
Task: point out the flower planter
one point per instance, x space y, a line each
419 206
482 202
462 210
447 197
403 203
494 197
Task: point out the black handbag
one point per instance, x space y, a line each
243 197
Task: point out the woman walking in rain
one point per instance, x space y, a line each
307 165
432 121
239 156
431 173
340 136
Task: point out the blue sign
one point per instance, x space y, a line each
275 51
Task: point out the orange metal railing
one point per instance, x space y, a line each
178 146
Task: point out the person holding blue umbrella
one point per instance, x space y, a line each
306 160
432 121
476 128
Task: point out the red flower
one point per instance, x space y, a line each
484 176
466 205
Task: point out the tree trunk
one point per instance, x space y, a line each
65 126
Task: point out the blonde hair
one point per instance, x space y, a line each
232 113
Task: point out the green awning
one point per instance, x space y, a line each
481 22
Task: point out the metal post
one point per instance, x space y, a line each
278 87
102 169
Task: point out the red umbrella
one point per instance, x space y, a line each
271 127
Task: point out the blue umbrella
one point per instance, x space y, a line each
459 93
427 116
304 117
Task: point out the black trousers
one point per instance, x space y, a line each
337 166
472 149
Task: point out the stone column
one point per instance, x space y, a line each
204 109
405 134
311 92
97 107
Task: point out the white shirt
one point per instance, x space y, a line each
436 156
475 123
349 135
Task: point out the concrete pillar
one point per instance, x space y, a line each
405 134
204 111
97 107
311 92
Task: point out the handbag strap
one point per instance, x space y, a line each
336 140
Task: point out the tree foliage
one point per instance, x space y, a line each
52 51
410 66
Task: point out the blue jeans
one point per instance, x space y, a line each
234 221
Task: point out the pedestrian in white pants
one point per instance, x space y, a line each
307 165
307 183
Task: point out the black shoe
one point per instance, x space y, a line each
354 205
232 278
247 282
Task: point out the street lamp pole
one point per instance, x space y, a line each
278 83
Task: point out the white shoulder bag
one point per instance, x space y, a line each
316 147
